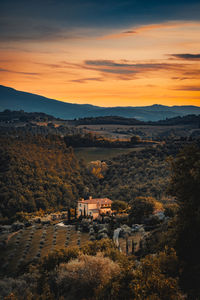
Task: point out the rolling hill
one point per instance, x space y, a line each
18 100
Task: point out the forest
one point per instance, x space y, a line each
167 266
40 172
184 120
22 116
142 173
91 140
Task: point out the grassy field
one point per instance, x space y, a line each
95 153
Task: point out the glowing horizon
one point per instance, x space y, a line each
140 64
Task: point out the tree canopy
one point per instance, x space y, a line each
119 205
39 172
141 208
185 186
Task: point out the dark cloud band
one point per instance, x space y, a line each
187 56
47 19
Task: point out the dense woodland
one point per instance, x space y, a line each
42 172
39 172
91 140
139 173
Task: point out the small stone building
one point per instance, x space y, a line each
94 207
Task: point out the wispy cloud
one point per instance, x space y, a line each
188 88
186 56
192 73
85 80
180 78
145 28
128 68
19 72
18 30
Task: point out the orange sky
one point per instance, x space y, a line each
132 66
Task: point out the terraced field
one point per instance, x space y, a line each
30 244
34 242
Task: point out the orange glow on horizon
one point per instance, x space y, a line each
121 69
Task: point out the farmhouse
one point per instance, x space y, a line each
94 207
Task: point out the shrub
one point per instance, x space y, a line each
83 278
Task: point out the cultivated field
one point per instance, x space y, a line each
124 132
34 242
29 244
96 153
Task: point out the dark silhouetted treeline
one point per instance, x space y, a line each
108 120
22 116
185 120
91 140
180 120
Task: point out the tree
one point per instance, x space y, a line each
118 205
69 214
84 277
135 139
84 214
171 209
156 277
185 186
141 208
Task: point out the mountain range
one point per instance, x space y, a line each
18 100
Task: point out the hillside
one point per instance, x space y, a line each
138 173
17 100
22 116
39 172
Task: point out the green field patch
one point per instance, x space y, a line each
97 153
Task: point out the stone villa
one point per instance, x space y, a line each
94 207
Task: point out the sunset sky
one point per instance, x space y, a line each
106 53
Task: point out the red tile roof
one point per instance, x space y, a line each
100 201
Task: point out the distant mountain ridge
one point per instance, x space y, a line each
18 100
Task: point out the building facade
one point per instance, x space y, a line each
94 207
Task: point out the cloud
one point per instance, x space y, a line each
19 72
129 32
110 66
193 73
149 27
180 78
85 80
189 88
128 70
186 56
50 19
15 29
52 66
